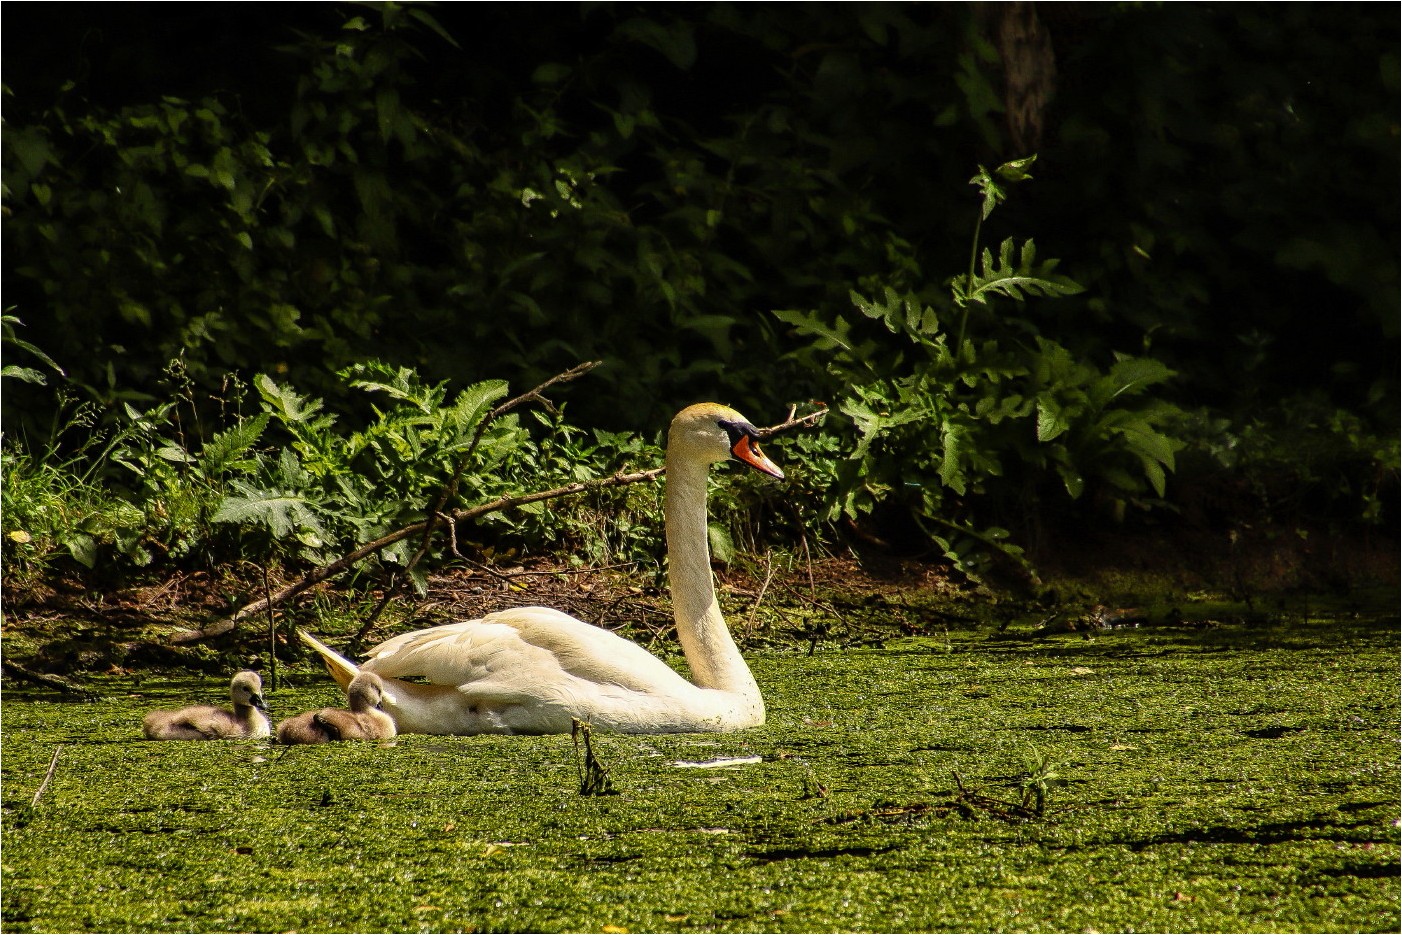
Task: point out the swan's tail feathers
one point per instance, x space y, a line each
341 668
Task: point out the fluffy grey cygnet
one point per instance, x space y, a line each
364 720
247 721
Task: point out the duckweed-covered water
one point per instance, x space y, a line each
1239 778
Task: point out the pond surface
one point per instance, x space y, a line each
1237 778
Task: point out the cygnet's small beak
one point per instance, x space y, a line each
258 702
747 450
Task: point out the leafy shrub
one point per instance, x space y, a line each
296 482
968 408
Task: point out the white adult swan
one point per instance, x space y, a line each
532 669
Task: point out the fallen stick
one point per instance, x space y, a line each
322 572
48 777
51 681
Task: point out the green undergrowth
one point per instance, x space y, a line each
1240 777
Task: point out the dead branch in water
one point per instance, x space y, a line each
48 777
15 670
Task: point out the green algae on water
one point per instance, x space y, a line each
1237 778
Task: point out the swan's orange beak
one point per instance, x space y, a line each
746 449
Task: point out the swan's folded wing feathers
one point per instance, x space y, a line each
592 653
454 654
539 642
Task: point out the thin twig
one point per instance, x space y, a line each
589 570
792 423
484 567
48 777
769 576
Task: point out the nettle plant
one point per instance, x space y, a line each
322 485
962 411
296 481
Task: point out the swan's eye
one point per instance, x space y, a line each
744 446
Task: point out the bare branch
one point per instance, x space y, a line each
15 670
792 423
323 572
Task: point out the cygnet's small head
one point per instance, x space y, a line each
365 691
247 690
710 432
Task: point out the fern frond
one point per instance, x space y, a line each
1013 277
281 512
223 451
806 323
473 403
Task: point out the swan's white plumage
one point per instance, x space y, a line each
533 669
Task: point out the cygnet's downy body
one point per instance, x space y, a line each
247 721
364 720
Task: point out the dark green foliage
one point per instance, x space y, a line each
1229 190
485 192
958 413
295 481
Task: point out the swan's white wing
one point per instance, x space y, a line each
526 643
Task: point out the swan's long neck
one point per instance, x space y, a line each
710 651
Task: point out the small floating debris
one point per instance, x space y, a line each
719 762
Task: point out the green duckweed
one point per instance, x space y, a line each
1237 778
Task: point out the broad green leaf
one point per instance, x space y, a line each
1051 421
722 546
26 374
1132 374
83 548
286 402
282 513
951 468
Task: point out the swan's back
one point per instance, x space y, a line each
532 670
520 644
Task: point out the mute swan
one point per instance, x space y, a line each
206 722
532 669
364 720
